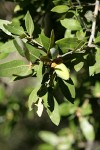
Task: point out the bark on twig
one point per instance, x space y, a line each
94 23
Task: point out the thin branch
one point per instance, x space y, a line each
70 52
94 23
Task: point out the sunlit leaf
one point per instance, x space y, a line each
33 97
44 40
78 66
3 55
39 107
2 22
15 67
71 24
67 44
62 71
21 47
60 9
54 115
15 29
8 47
29 23
34 53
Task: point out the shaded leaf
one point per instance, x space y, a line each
42 91
68 89
45 100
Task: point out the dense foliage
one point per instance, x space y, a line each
59 47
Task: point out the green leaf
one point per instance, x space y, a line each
87 129
68 89
29 24
2 93
33 52
2 22
89 15
39 70
96 90
86 108
33 97
45 41
80 34
95 69
67 44
71 24
54 115
15 29
15 67
60 9
42 91
91 70
52 39
67 108
79 66
97 39
45 147
68 34
53 139
3 55
8 47
21 47
62 71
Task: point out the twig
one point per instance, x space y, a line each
70 52
94 23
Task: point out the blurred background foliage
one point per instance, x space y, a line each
20 128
